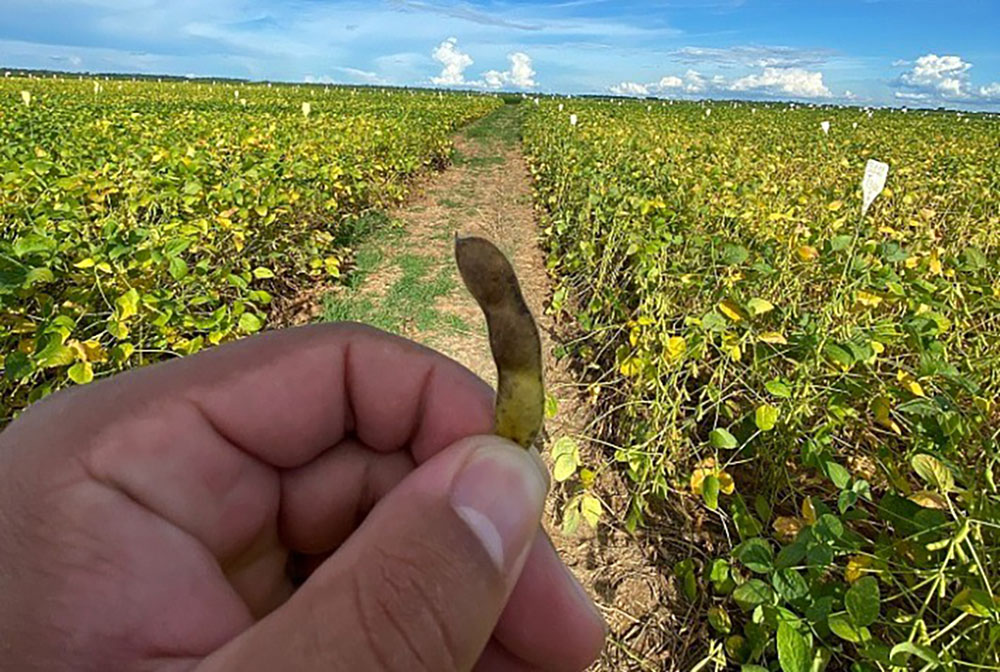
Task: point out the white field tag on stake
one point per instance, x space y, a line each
26 97
306 109
874 182
825 125
572 120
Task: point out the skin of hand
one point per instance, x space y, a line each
147 521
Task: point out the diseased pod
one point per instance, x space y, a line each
514 340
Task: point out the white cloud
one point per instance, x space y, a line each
521 74
692 82
991 92
943 78
630 89
454 63
671 82
795 82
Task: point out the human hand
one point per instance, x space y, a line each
147 521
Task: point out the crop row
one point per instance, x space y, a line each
825 385
140 220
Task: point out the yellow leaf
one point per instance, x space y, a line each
85 263
631 367
881 408
935 263
808 511
868 300
706 468
731 309
836 205
773 337
856 566
676 346
786 528
929 500
877 347
910 383
726 484
807 253
911 262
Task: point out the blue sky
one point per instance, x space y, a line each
915 52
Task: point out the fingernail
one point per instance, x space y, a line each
500 493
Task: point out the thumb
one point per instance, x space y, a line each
422 583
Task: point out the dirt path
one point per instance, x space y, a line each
406 282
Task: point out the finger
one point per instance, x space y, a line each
323 502
421 584
196 440
498 659
550 621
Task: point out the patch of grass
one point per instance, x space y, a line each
408 303
450 203
502 126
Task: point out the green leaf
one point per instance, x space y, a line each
759 306
839 355
17 366
766 417
38 276
975 603
719 620
790 585
551 406
54 355
721 439
250 323
733 255
837 473
842 626
794 652
590 509
571 516
81 373
863 601
566 459
32 243
841 242
933 472
828 527
710 492
778 389
262 273
902 651
178 268
752 594
720 576
127 304
756 555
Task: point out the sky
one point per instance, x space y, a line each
866 52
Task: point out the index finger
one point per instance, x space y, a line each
287 396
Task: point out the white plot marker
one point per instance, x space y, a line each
572 120
26 97
825 125
306 109
875 174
